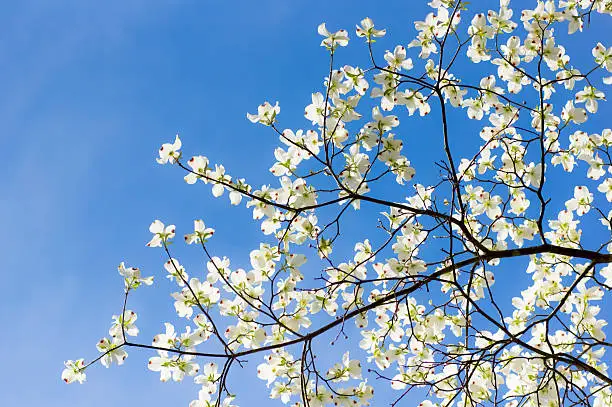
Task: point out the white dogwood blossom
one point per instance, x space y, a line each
169 153
74 371
161 233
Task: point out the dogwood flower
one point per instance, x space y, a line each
172 367
266 114
205 295
132 277
603 56
176 272
367 30
169 153
209 378
589 96
74 371
397 59
349 369
332 40
199 167
606 188
581 202
113 352
161 233
124 323
201 233
571 113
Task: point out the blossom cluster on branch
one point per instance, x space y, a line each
420 290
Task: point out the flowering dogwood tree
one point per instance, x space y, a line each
413 308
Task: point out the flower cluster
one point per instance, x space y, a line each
432 298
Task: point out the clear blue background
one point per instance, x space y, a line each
89 93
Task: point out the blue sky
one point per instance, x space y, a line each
91 90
